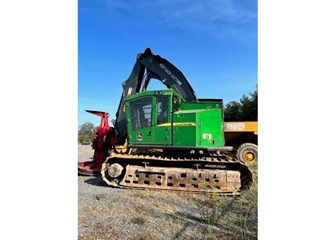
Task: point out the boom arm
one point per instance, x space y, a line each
150 66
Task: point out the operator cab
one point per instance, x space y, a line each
162 118
149 116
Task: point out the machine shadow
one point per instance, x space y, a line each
96 181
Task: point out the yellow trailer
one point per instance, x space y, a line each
243 136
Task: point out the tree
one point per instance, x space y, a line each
233 111
85 133
245 110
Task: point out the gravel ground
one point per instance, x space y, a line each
110 213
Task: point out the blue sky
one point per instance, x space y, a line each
213 42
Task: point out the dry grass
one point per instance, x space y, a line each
109 213
145 214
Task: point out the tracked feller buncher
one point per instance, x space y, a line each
165 139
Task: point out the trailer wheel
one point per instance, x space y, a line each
247 152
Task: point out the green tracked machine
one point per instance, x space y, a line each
165 139
162 118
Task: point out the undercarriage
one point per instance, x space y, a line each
189 172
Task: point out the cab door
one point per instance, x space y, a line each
140 121
162 130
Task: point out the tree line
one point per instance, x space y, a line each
85 133
244 110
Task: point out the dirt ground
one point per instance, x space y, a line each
85 152
110 213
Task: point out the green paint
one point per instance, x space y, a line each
161 118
